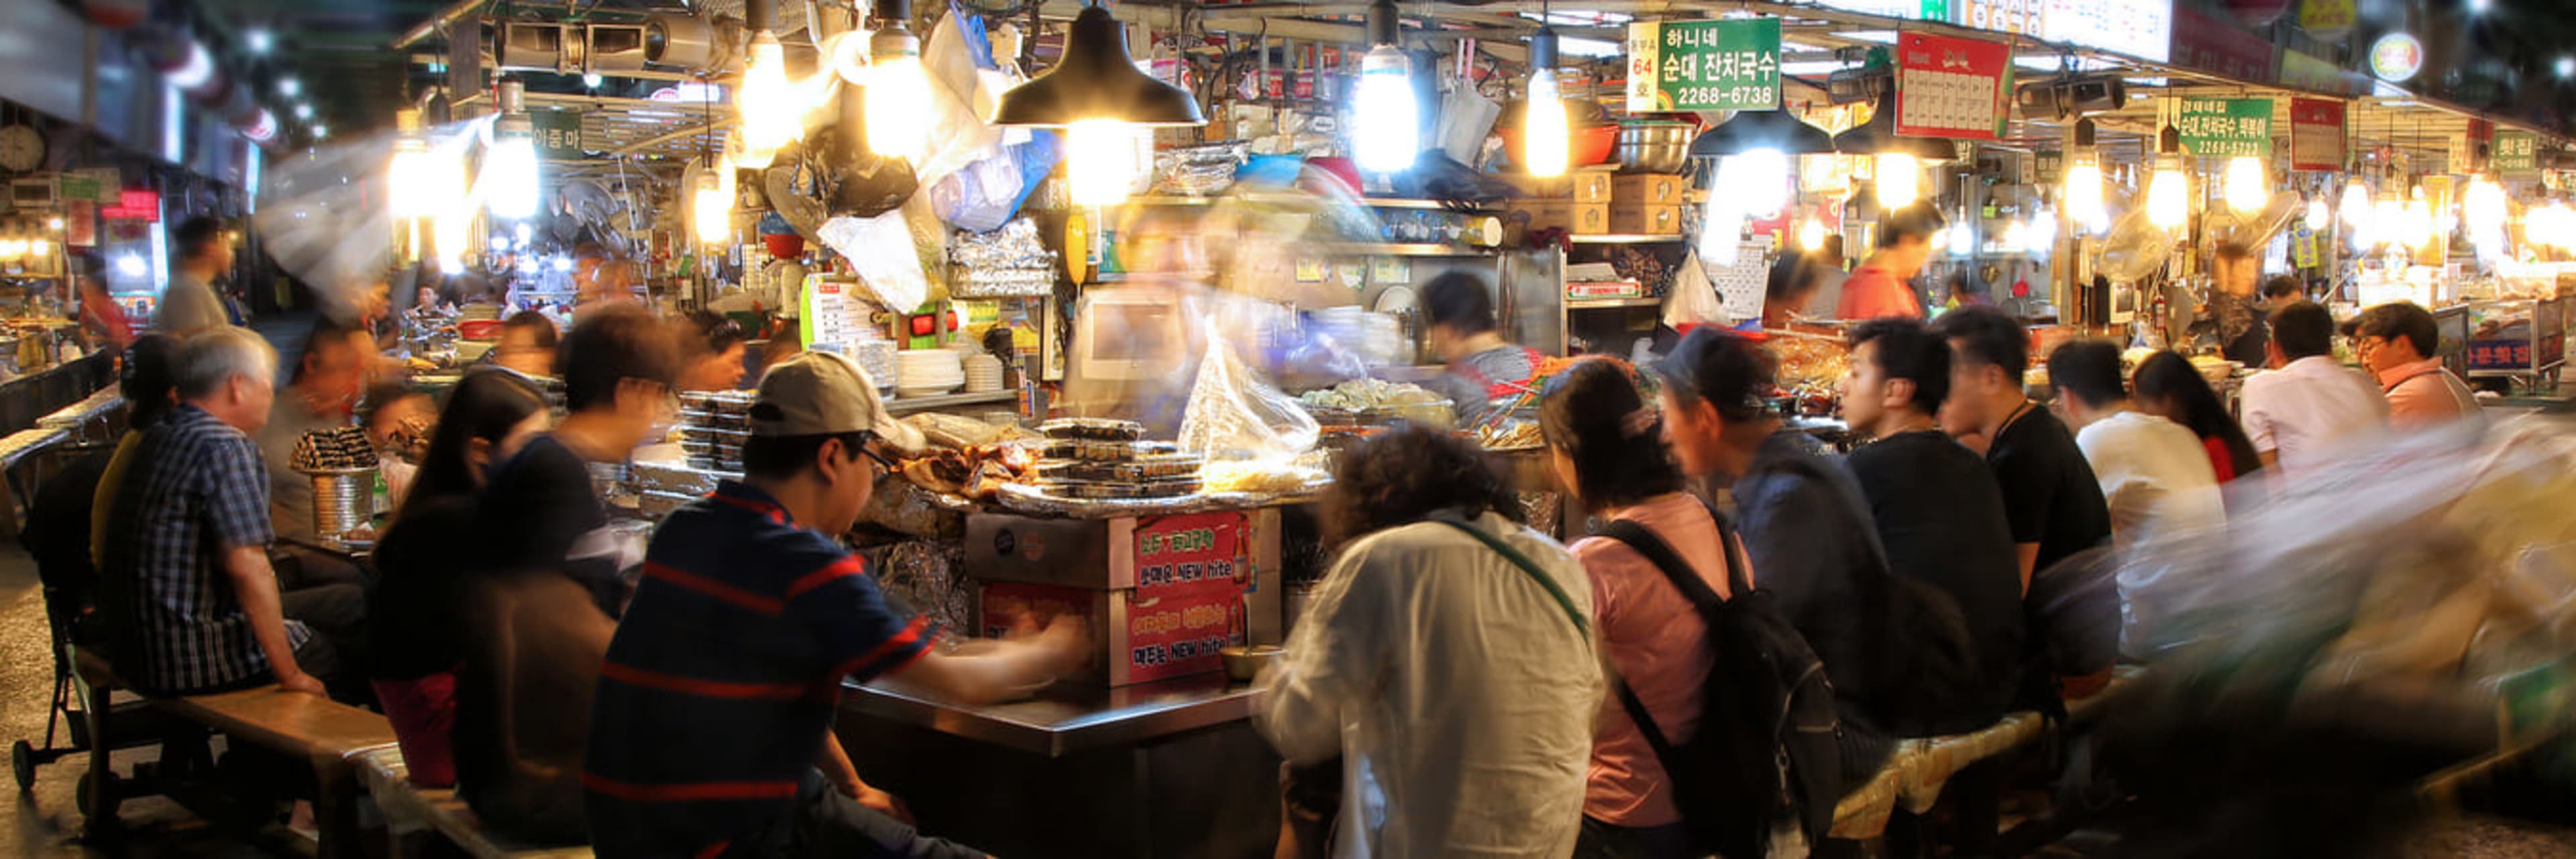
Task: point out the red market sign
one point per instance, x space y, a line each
2316 134
2218 46
1952 87
142 206
1180 551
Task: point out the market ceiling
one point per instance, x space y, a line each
342 47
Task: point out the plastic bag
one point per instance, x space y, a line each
1693 299
958 135
980 197
1234 414
872 245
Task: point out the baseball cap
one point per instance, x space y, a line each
825 393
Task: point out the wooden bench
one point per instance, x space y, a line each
325 734
411 811
92 413
1917 769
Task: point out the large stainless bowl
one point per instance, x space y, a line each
1653 147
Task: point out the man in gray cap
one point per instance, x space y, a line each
715 703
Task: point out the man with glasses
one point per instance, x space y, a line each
619 368
2398 343
711 733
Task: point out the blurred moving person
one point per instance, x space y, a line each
1602 437
2243 334
1881 285
2399 345
189 303
2168 386
1453 670
2052 500
2306 403
527 345
1484 371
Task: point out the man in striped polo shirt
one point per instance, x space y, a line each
711 733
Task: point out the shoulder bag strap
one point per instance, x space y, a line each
1681 575
1528 568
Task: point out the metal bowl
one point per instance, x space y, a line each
1653 147
1242 664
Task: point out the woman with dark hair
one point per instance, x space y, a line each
2168 386
1603 439
414 613
1452 647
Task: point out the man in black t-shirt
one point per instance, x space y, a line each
1936 509
620 367
2051 500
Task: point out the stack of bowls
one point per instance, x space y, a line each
927 372
983 374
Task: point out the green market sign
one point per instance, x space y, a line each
2226 127
558 134
2516 152
1704 65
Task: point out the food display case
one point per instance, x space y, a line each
2519 340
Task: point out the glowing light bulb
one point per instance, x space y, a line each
898 100
2168 197
2316 216
1389 135
448 232
1544 130
424 181
54 223
2247 189
2042 237
40 247
712 209
2387 220
2417 227
1900 179
2084 196
1101 160
2355 205
2016 237
510 177
1962 240
1811 236
1761 178
592 80
773 108
2482 206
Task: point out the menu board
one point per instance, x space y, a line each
1951 87
2226 127
2515 152
830 312
1704 65
2316 134
2018 17
2137 28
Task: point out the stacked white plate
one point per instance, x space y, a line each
927 372
983 374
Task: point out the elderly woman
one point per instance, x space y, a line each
1448 660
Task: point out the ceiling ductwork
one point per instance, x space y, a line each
682 41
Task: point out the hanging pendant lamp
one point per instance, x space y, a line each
1878 137
1096 80
1749 130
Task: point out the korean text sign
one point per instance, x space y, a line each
558 134
1951 87
2226 127
1704 65
2516 152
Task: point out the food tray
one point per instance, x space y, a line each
1106 451
1118 491
1092 429
722 402
656 504
735 421
1156 467
674 477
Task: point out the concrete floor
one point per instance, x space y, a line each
46 822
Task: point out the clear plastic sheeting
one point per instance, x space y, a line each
324 219
2437 570
1234 414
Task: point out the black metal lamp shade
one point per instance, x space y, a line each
1878 137
1096 80
1749 130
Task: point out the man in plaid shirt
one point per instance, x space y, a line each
192 602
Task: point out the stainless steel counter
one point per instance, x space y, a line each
1068 719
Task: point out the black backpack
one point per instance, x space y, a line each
1764 769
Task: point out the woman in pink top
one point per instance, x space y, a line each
1604 441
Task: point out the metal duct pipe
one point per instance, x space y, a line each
760 15
444 19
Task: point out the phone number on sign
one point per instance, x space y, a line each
1179 651
1727 97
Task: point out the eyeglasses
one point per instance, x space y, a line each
863 440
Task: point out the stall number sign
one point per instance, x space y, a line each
1704 65
1949 87
558 134
2226 127
2516 152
